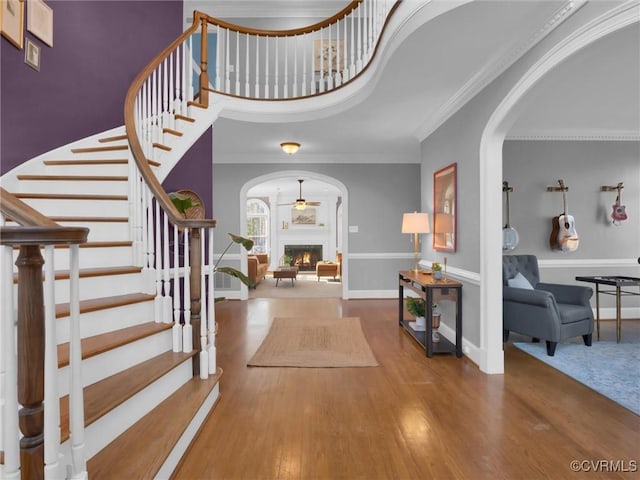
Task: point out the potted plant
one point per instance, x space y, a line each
416 307
182 204
436 268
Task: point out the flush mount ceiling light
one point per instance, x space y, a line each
290 147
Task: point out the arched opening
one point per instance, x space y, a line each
491 160
339 216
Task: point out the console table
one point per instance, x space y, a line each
430 290
619 282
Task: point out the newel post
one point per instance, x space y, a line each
195 256
30 352
204 75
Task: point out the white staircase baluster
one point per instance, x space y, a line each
321 53
276 69
359 40
330 60
304 63
157 233
8 373
204 354
266 67
257 83
237 71
285 92
338 74
247 90
295 66
76 398
177 327
352 65
189 73
345 58
52 466
217 85
211 320
227 80
187 329
166 279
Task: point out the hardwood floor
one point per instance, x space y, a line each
410 418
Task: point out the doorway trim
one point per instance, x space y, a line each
503 117
244 291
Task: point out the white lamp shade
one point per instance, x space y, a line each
415 223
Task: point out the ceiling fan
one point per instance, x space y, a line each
301 203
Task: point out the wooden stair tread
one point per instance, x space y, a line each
98 344
185 118
97 161
70 196
112 139
90 219
75 178
103 396
161 147
95 304
148 442
111 148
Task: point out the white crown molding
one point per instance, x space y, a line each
584 137
492 70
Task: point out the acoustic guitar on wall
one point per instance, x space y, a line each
619 212
564 237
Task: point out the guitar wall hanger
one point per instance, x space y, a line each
618 212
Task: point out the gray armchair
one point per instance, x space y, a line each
546 311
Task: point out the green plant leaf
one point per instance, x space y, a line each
237 274
181 202
247 243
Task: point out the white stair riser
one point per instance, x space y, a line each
117 360
79 208
90 169
100 286
103 431
107 320
90 257
88 187
103 231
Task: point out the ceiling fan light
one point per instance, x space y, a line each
290 147
300 205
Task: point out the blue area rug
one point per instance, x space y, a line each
610 368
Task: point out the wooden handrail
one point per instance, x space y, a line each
286 33
18 211
136 148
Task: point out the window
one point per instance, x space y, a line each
258 225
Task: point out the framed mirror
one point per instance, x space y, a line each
445 200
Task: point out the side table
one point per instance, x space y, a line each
430 289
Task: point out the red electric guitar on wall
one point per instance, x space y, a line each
618 213
564 236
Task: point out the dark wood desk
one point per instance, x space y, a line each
431 290
620 283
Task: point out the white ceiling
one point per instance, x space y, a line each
594 91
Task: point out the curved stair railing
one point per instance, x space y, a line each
167 109
29 362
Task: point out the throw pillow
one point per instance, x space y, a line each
519 281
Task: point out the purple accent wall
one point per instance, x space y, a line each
98 48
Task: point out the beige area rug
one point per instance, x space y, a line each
314 342
306 286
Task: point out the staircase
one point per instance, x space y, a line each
142 402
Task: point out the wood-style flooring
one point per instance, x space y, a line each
410 418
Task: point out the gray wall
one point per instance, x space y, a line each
378 196
458 140
531 166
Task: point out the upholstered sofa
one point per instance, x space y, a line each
257 266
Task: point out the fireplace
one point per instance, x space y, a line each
304 257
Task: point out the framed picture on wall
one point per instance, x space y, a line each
445 205
12 21
32 54
303 217
40 21
325 55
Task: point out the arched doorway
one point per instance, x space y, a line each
492 140
341 216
